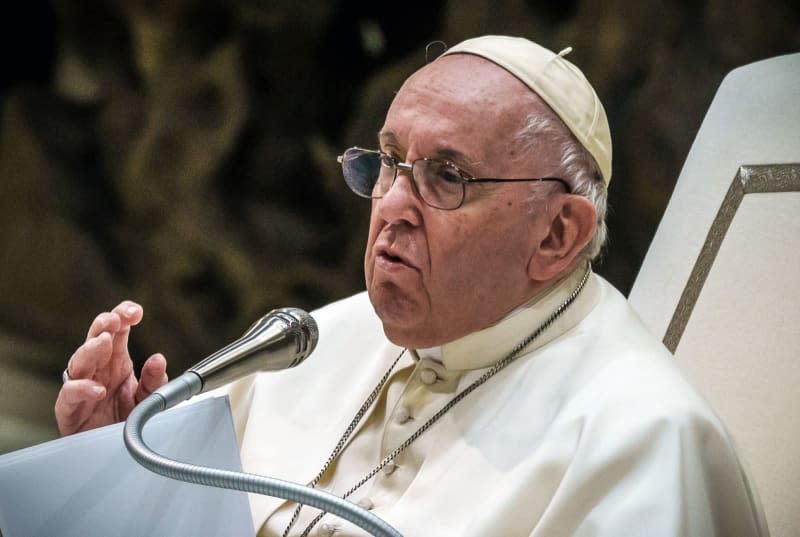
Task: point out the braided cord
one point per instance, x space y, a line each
496 368
345 436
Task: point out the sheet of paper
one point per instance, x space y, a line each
88 484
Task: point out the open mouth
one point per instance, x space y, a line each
392 258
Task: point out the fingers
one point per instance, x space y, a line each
122 317
153 376
90 356
130 314
105 322
102 387
75 403
106 339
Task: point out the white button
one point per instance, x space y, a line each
366 503
389 468
402 415
428 376
327 530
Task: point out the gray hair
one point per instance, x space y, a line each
576 166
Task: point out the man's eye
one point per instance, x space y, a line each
388 161
448 173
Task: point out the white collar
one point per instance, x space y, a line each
487 346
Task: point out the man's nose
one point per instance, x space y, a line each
402 200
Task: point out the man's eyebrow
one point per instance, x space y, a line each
453 155
442 152
388 137
458 158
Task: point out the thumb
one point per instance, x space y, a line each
154 375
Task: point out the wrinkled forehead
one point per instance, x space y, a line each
469 79
465 96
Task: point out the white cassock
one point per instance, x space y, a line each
592 431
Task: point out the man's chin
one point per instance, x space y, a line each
403 318
404 337
394 308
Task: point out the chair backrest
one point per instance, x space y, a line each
721 280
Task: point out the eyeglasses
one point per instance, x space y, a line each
440 184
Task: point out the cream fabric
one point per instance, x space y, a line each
558 81
591 432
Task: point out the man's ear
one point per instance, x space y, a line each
572 224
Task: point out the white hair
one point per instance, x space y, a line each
577 167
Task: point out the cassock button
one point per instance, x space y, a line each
326 530
366 503
402 415
389 468
428 376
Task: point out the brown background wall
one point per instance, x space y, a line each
184 155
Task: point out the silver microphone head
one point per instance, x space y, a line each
281 339
300 324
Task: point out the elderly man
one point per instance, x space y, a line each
490 384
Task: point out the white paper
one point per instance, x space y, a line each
87 484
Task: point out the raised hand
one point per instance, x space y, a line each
102 388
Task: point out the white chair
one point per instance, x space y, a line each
721 280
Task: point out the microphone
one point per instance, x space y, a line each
279 340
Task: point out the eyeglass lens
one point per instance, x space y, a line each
371 174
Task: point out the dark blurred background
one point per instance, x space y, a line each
183 153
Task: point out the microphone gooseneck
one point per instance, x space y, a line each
281 339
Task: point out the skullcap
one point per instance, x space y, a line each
557 81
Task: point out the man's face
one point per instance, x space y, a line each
432 275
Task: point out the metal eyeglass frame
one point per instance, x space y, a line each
464 177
